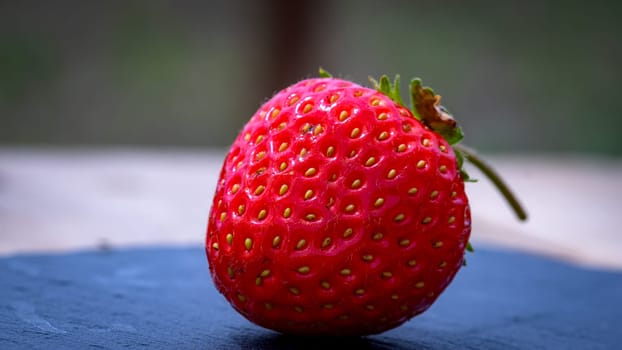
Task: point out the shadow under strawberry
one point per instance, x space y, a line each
249 339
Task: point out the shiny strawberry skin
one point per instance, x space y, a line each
336 213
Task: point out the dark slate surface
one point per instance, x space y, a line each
163 298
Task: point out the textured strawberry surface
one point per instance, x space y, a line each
336 212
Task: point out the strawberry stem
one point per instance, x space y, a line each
492 175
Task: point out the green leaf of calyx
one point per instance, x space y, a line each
469 248
427 108
324 74
392 90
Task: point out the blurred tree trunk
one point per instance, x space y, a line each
290 38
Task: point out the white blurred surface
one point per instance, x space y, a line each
60 199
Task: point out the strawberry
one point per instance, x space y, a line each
338 211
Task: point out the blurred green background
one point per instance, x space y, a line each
519 75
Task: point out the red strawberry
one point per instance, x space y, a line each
339 211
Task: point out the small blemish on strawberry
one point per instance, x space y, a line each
306 128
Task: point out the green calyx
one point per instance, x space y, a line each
324 74
426 107
392 90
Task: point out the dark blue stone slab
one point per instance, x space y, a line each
164 298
